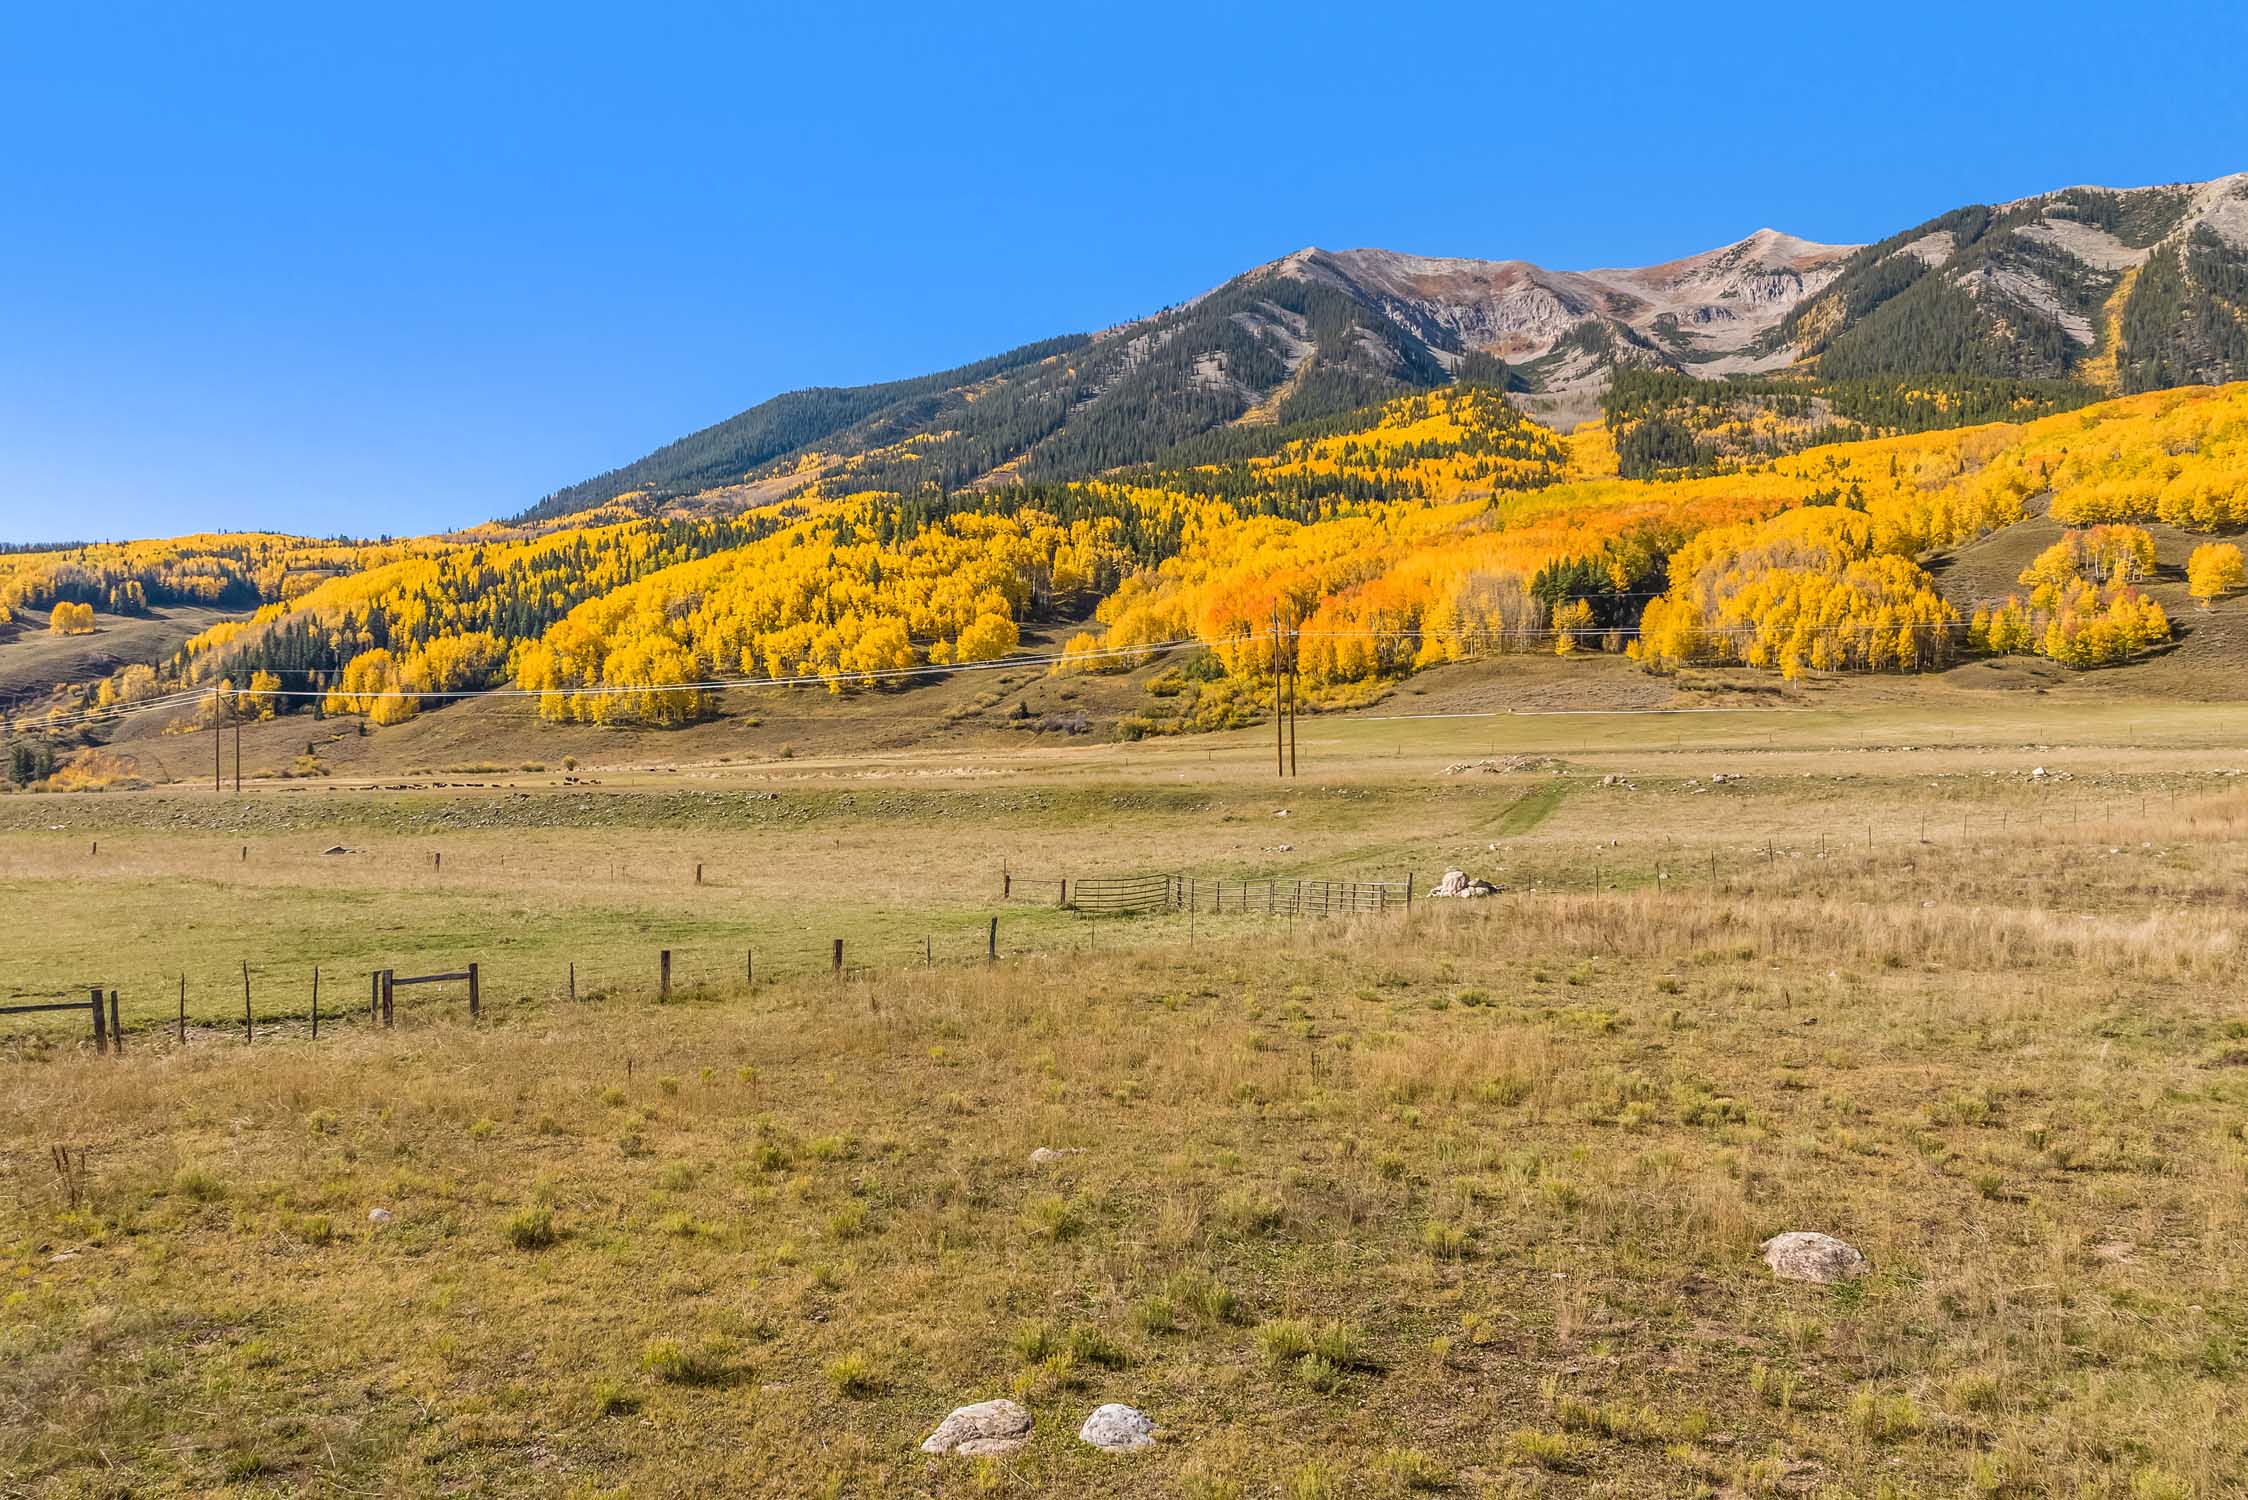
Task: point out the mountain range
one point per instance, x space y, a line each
2113 290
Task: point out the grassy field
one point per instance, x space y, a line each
1465 1202
32 659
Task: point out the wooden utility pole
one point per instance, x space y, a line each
236 715
1294 631
1279 724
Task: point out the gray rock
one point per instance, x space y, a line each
1118 1429
1463 885
1803 1255
986 1428
378 1216
1047 1155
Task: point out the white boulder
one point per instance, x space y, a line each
1805 1255
1460 883
1118 1429
981 1430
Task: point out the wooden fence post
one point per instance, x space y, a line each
698 874
663 975
389 996
249 1029
991 943
928 952
316 1001
1064 901
1408 890
839 955
183 1010
101 1034
474 1004
573 979
749 967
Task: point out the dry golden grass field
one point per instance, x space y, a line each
1466 1201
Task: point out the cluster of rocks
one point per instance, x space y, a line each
990 1428
1463 885
1512 765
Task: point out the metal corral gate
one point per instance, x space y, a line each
1128 893
1301 898
1272 898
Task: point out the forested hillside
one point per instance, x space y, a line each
1433 528
1334 443
2125 291
786 424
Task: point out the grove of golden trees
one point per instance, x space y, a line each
1440 527
71 619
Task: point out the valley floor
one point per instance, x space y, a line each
1462 1201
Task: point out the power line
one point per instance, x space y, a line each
1736 638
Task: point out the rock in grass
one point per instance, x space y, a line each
1046 1156
1803 1255
1118 1429
1460 883
987 1428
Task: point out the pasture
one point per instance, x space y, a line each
1466 1201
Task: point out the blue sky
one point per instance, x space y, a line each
391 268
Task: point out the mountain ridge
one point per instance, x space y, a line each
2115 289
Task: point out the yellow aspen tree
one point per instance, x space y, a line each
2215 570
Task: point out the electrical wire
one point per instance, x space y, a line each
184 697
